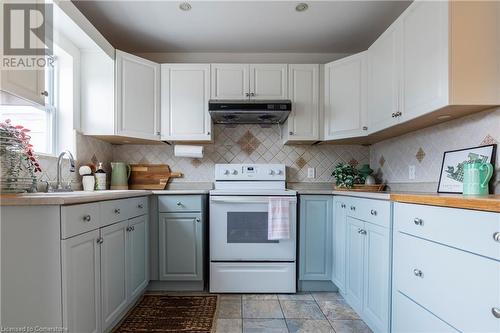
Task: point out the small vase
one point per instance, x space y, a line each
88 183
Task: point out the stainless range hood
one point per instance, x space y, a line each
249 111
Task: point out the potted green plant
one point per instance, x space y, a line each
346 176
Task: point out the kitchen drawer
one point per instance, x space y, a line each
78 219
179 203
469 230
137 206
113 211
409 317
459 287
370 210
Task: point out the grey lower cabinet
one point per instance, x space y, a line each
315 242
181 242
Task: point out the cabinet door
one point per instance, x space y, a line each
383 80
27 84
354 263
345 97
138 258
268 81
113 272
181 247
229 81
424 58
376 277
315 237
339 243
303 89
81 283
137 97
184 102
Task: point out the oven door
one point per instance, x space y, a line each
238 230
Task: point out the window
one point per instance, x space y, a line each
52 126
40 120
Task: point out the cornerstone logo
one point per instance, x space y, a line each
27 35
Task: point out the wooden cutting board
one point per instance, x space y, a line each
150 176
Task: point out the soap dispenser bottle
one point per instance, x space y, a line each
100 176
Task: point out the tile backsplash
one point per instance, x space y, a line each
424 149
248 144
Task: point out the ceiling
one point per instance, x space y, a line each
241 26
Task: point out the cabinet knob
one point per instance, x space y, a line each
496 236
133 227
290 133
496 312
44 93
129 229
87 218
179 203
252 94
117 210
393 115
353 208
247 94
398 114
365 128
140 206
362 232
418 221
418 272
158 133
373 212
208 133
100 240
198 219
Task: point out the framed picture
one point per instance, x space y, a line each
452 172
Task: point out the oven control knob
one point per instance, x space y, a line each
226 172
278 172
234 172
270 172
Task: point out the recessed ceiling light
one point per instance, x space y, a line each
301 7
444 116
185 6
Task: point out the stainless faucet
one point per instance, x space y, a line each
59 187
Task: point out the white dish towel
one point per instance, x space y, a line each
278 223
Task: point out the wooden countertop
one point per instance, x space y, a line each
490 203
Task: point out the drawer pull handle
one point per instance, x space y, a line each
418 272
353 208
140 206
100 240
179 203
198 220
373 212
87 218
496 236
117 211
418 221
496 312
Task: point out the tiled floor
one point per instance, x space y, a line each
294 313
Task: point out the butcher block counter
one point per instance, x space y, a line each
490 203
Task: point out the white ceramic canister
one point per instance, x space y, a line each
88 182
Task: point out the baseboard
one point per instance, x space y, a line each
176 286
316 286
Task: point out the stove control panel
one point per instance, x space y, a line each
249 172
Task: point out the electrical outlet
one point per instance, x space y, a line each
411 172
311 173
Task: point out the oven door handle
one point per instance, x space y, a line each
258 200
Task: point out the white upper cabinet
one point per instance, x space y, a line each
424 49
184 101
303 91
230 81
345 97
383 80
243 81
28 84
137 97
268 81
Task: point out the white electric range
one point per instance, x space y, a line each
242 259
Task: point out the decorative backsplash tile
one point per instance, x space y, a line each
248 144
424 149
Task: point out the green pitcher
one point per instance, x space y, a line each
120 172
477 176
